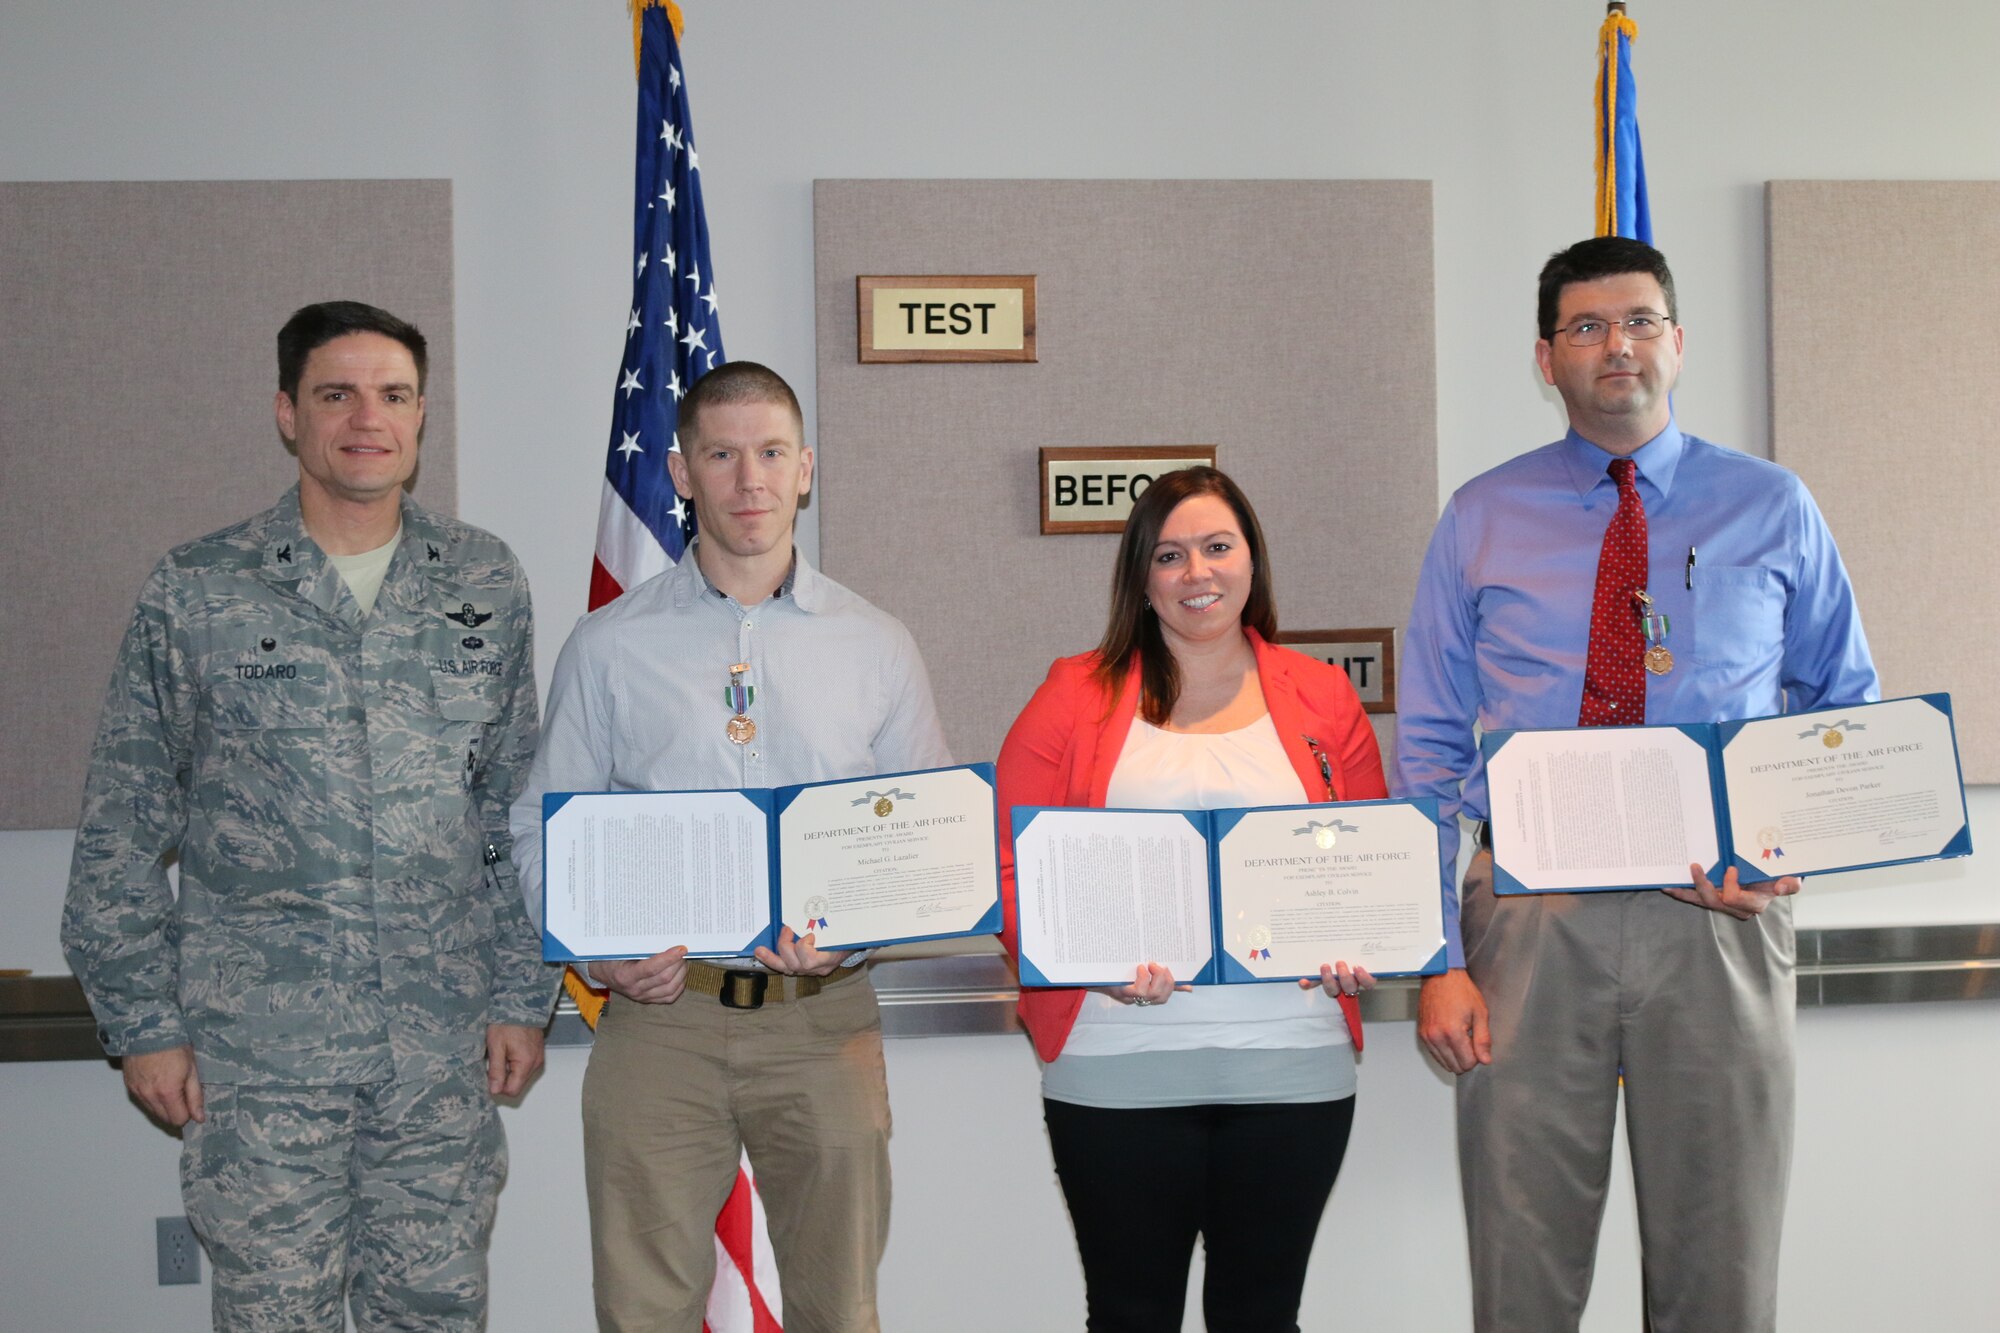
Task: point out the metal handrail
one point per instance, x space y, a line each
928 993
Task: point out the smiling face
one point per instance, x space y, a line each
1617 392
1200 575
356 422
746 469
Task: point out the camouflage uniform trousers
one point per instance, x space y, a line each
385 1191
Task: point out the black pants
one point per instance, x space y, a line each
1252 1180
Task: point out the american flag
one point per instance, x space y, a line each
672 337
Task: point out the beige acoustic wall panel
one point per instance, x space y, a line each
1287 323
138 324
1885 363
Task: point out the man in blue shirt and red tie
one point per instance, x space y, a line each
1528 614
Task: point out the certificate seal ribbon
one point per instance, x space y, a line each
1832 734
738 697
1260 942
884 801
1325 835
815 913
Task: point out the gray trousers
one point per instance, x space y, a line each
382 1192
1697 1009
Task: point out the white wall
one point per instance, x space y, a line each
1893 1200
527 108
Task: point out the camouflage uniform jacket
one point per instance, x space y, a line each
336 789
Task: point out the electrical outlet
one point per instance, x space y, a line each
180 1252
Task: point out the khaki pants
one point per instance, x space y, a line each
676 1092
1697 1008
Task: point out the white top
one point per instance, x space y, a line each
363 573
1171 770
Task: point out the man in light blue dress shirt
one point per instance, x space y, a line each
742 666
1688 993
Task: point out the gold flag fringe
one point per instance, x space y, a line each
637 9
1607 114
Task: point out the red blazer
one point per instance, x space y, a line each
1063 747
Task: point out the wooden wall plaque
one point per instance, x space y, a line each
1092 489
965 318
1368 656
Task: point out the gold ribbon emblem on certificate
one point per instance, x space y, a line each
1831 738
882 802
1323 838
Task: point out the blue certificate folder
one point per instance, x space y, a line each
1222 967
883 789
1839 814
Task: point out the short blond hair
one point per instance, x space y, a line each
736 382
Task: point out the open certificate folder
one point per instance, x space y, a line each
1227 895
1576 810
871 861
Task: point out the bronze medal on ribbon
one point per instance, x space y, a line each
738 698
1654 625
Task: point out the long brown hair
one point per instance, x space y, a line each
1133 628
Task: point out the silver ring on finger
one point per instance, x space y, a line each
1141 1001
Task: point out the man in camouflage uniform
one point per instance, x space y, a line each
324 712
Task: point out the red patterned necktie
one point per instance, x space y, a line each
1614 677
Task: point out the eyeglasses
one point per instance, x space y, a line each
1590 332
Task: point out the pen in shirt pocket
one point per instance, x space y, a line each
1690 579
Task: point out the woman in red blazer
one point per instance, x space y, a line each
1222 1113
